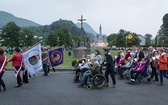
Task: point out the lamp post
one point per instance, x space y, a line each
77 43
125 41
26 39
57 41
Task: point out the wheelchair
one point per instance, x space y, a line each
126 73
78 77
145 74
97 81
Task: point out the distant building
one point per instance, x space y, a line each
142 38
100 39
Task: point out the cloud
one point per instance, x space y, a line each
139 16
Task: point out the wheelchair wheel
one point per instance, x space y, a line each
80 76
148 80
139 79
126 74
98 81
89 87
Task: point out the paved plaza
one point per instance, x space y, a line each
59 89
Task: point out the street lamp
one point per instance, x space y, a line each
57 41
26 39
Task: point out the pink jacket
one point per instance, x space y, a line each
121 61
139 67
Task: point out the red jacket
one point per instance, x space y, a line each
127 55
16 59
163 61
2 60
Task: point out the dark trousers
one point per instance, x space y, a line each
49 69
101 72
1 81
121 69
79 71
163 74
25 77
154 73
134 74
19 80
111 72
45 68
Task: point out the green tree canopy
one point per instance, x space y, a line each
11 35
27 37
59 38
164 29
148 39
121 39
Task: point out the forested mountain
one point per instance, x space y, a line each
57 25
7 17
66 24
87 28
44 30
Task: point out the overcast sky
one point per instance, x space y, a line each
139 16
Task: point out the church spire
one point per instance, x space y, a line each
100 30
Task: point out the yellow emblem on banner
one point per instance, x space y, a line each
130 36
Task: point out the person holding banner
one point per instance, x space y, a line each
45 62
3 62
17 64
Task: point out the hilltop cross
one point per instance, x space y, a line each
81 20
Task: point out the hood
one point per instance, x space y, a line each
163 53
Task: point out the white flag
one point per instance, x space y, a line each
32 59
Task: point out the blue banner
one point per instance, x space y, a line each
56 57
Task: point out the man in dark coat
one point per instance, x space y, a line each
108 62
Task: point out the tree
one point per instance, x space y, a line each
59 38
52 40
27 37
11 35
112 39
121 39
148 39
134 41
164 29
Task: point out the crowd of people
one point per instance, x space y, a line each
147 63
19 67
135 62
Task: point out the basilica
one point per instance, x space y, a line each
100 40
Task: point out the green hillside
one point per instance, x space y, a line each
57 25
7 17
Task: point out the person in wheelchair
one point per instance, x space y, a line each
122 68
138 69
82 68
93 69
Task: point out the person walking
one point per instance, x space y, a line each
108 62
45 62
17 64
3 62
162 63
150 56
139 55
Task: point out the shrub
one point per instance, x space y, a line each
74 62
69 53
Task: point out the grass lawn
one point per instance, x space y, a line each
67 59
